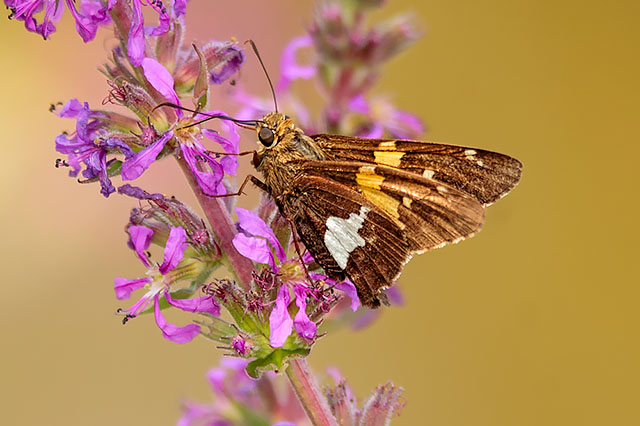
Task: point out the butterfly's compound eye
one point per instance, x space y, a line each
266 136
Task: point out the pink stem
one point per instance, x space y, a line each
222 226
310 396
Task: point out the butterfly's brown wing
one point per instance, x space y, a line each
347 234
428 213
485 175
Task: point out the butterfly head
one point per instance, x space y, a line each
273 128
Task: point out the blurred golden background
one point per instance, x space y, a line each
532 322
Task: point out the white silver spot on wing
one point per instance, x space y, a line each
470 154
428 174
341 237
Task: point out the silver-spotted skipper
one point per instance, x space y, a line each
363 207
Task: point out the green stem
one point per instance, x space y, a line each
222 226
309 394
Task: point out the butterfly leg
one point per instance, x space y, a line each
257 182
238 154
294 235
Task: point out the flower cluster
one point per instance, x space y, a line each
344 56
109 143
190 255
238 399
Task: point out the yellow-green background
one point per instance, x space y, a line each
532 322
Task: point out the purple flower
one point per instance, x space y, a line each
230 143
304 326
161 80
92 15
158 281
290 70
135 165
89 145
237 398
257 239
136 43
210 181
385 117
235 59
280 322
257 242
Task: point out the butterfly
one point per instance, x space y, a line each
364 207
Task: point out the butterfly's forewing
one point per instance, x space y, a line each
485 175
348 235
429 213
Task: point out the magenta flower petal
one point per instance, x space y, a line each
84 27
395 295
304 326
71 109
163 18
350 290
256 249
171 331
280 322
252 224
209 182
180 7
135 166
359 104
215 376
307 257
141 238
199 304
161 79
124 287
229 143
374 132
405 125
174 249
234 58
136 44
229 162
290 70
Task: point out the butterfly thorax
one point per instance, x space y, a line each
279 159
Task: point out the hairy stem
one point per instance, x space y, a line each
222 226
309 394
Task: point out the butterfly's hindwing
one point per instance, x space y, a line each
347 234
485 175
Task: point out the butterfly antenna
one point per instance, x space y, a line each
273 92
241 123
